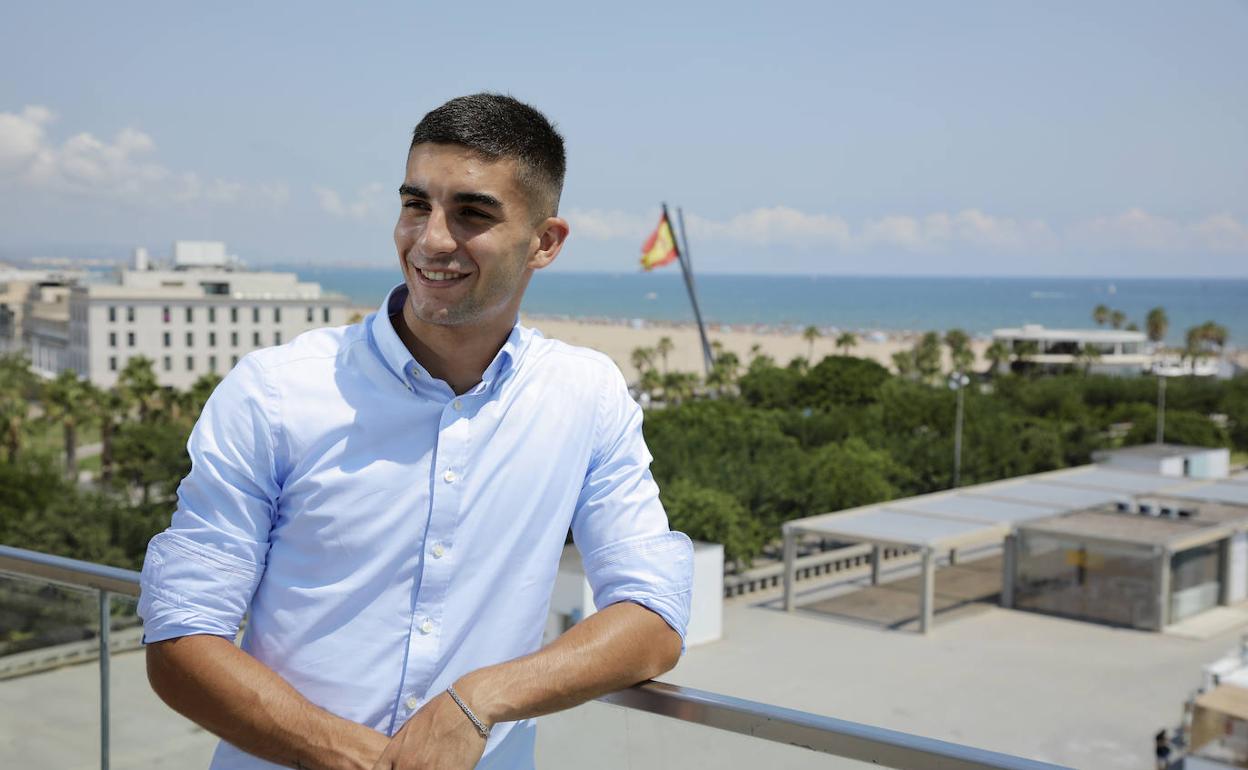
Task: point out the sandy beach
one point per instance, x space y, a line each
618 339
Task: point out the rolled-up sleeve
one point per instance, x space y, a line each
199 575
620 526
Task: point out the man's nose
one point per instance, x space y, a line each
436 238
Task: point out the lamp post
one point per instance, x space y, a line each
1161 407
958 382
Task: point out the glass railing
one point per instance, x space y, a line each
55 611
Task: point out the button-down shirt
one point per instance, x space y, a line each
389 536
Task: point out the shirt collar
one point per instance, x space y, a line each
399 361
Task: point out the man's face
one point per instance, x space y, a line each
467 238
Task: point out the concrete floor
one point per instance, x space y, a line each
1063 691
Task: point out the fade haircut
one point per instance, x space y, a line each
498 126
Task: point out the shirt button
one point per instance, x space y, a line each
450 477
412 703
427 626
457 404
437 550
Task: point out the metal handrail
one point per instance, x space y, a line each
851 740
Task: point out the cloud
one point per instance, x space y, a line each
778 224
1136 230
943 231
369 202
124 167
968 230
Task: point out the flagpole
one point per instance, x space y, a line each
707 358
684 242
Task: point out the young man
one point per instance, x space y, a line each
389 500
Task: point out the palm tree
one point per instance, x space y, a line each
845 341
642 359
138 384
663 349
810 334
1100 315
960 353
1117 318
927 356
1158 324
903 362
1026 350
998 355
16 385
111 406
68 400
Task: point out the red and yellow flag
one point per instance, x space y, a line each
660 248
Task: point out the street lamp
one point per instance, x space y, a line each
1161 406
958 382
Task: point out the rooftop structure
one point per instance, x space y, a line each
1102 351
996 513
1169 460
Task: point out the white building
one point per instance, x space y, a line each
189 322
1101 351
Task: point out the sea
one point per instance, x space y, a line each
861 303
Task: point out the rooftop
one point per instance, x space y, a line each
1032 332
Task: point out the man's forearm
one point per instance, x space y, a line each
223 689
616 648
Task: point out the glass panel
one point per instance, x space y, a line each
50 686
1115 585
607 737
1195 582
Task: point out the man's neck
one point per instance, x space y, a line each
456 355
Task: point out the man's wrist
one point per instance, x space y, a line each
474 689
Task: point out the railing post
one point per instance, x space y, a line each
105 622
790 567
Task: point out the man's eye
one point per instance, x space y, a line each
476 214
416 204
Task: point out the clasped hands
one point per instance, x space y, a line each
437 737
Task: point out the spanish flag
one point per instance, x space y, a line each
660 248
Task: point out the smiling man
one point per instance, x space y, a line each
389 501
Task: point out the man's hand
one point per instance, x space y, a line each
438 737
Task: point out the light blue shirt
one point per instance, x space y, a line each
388 536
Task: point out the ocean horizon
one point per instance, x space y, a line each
862 303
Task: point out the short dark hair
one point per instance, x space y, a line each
499 126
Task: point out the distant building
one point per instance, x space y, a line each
1100 351
23 292
199 316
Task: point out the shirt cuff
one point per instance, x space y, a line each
188 589
655 571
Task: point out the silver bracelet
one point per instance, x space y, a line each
485 731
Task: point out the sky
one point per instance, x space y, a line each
878 138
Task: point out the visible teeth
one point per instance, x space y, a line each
438 276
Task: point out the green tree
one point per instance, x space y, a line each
841 380
138 384
810 334
844 475
904 363
845 341
69 402
1100 315
768 386
927 356
664 349
998 355
642 359
725 370
111 407
715 517
960 353
17 385
1117 318
152 454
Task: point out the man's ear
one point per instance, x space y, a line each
551 235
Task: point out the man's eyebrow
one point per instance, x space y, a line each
479 198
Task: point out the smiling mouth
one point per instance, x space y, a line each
438 277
